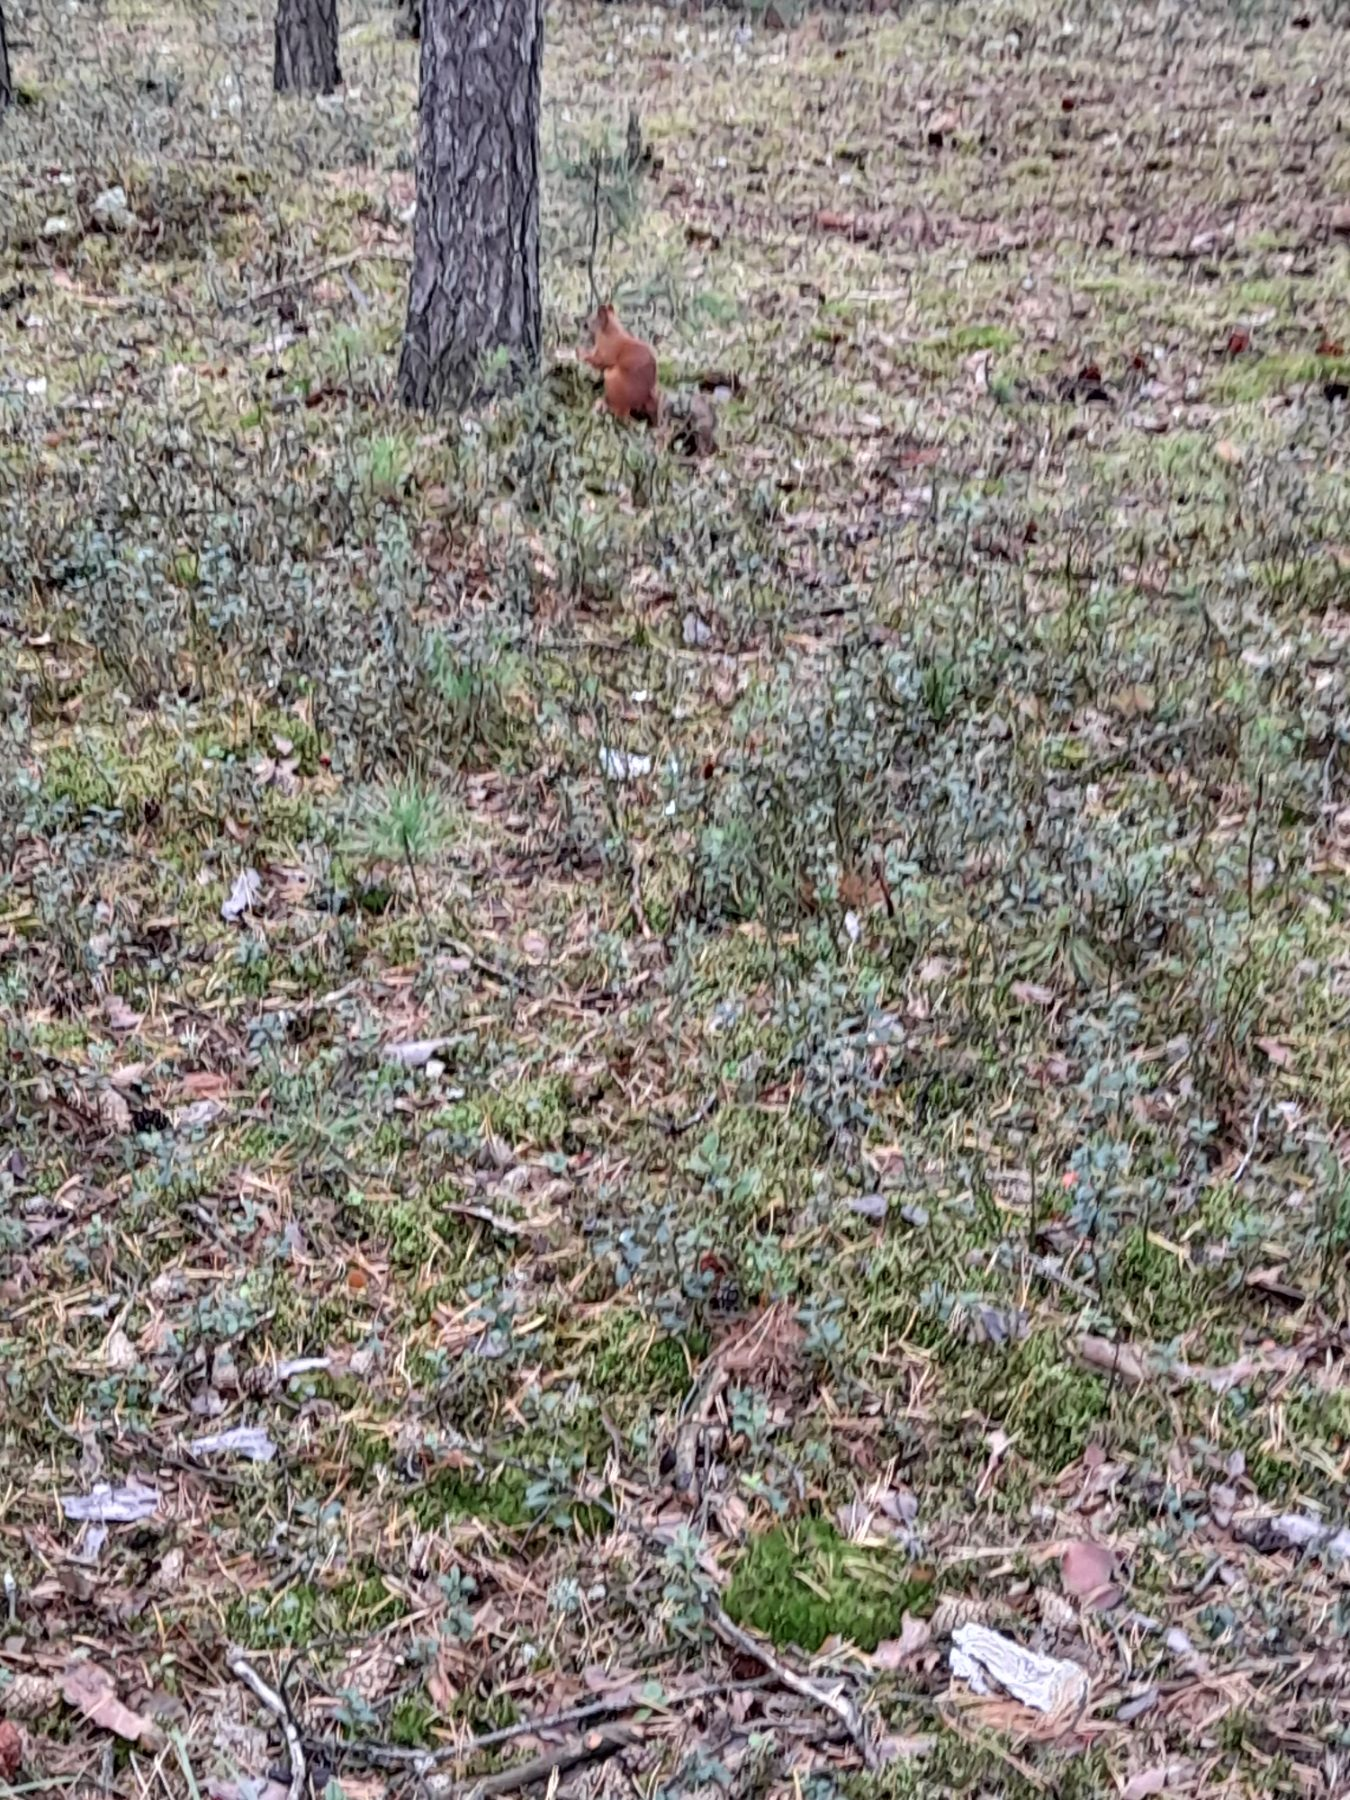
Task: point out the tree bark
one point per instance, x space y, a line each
306 55
6 85
474 301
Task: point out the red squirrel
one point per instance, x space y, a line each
629 368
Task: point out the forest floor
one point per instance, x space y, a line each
605 1049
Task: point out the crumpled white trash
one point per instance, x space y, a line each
110 210
1050 1684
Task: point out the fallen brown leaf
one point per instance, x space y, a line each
1086 1570
894 1653
92 1691
119 1015
11 1750
1033 993
113 1112
940 127
203 1084
900 1747
1163 1778
254 1790
1121 1361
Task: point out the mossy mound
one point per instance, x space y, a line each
802 1583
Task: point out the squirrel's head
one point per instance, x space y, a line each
604 318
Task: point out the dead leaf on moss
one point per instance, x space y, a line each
894 1653
257 1790
119 1015
1086 1569
1121 1361
113 1111
92 1691
11 1750
904 1747
1163 1778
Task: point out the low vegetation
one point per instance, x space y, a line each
759 1031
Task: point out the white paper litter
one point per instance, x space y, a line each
112 1506
111 212
243 896
1050 1684
623 765
302 1365
249 1441
416 1053
1293 1531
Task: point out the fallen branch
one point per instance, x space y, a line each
678 1127
595 229
421 1762
276 1705
599 1746
1253 1139
831 1699
1134 1365
308 277
709 380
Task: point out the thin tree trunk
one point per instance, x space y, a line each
6 85
306 59
473 301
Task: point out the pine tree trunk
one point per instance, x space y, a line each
6 85
306 60
474 295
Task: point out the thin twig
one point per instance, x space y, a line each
597 1747
678 1127
381 1755
832 1699
308 277
416 884
1251 845
638 913
503 977
595 228
829 1699
1253 1138
44 1786
276 1705
879 865
179 1743
1046 1269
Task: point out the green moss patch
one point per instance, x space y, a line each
800 1584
